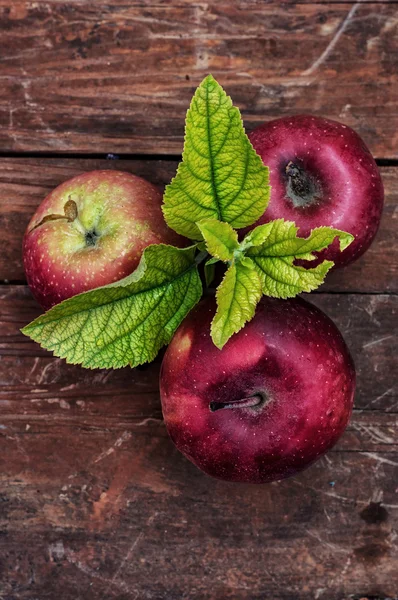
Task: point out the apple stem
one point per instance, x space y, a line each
201 257
70 214
70 210
255 401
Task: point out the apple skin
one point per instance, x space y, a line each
333 158
118 215
293 356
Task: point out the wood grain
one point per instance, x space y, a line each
238 3
368 323
25 182
142 522
95 502
118 77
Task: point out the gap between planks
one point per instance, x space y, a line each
381 162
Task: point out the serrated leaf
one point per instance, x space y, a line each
281 239
220 176
221 240
237 297
279 247
125 323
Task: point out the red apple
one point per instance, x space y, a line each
90 231
321 173
272 401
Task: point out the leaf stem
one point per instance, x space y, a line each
199 258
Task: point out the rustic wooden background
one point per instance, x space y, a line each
95 502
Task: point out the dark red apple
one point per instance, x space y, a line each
321 173
90 231
272 401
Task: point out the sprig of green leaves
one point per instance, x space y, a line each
263 263
221 185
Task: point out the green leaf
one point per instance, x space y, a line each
201 246
237 297
275 246
220 176
125 323
221 240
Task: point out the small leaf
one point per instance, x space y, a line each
237 297
279 247
220 176
221 240
125 323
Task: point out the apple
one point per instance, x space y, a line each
321 173
270 403
90 231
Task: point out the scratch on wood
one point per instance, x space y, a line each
378 341
11 118
346 567
323 492
126 435
148 420
120 568
386 393
375 434
380 459
54 364
129 554
332 44
68 387
56 550
332 547
72 558
62 403
35 363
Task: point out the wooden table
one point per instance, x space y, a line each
95 502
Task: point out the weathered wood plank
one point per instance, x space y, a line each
96 503
25 182
118 77
140 521
177 3
32 380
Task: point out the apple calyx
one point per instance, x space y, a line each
301 187
256 401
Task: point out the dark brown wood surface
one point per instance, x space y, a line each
95 501
118 76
